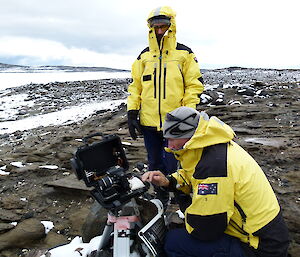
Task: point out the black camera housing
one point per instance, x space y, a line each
92 161
103 165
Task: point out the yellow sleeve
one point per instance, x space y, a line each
193 82
183 181
135 88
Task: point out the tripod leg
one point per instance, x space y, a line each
105 237
122 243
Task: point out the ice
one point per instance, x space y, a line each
8 80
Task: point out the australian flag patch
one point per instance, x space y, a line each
208 189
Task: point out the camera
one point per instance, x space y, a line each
92 161
103 165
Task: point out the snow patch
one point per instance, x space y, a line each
63 117
48 226
17 164
49 167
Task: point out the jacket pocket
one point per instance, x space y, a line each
147 77
208 227
165 79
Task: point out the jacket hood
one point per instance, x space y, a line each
170 35
166 11
210 131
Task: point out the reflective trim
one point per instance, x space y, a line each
165 79
156 11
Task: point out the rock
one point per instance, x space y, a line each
8 215
259 84
26 233
63 156
13 202
69 183
37 253
4 227
78 218
94 222
246 91
53 239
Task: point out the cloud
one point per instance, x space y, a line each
29 51
221 33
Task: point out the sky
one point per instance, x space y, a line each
222 33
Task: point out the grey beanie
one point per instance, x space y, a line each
181 123
159 19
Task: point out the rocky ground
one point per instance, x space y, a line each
263 107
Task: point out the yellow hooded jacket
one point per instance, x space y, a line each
230 192
164 77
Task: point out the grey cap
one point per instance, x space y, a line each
181 123
159 19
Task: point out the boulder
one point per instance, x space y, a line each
26 233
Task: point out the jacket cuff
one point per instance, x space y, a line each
172 184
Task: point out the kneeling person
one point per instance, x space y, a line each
233 209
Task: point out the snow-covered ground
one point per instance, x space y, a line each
16 79
66 116
76 248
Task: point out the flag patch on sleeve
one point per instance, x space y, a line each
208 189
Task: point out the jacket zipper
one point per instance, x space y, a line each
242 213
165 76
159 89
238 228
181 75
244 217
154 73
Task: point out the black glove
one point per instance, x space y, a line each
133 123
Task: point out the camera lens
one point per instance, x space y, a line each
105 182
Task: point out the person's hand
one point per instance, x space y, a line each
156 177
133 123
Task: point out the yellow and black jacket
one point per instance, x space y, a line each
230 192
164 77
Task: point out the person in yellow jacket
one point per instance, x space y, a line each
165 75
233 208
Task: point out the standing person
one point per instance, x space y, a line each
165 75
234 211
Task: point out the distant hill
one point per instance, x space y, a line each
22 68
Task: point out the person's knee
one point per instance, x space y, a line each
173 239
179 243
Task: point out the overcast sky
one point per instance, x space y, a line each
222 33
